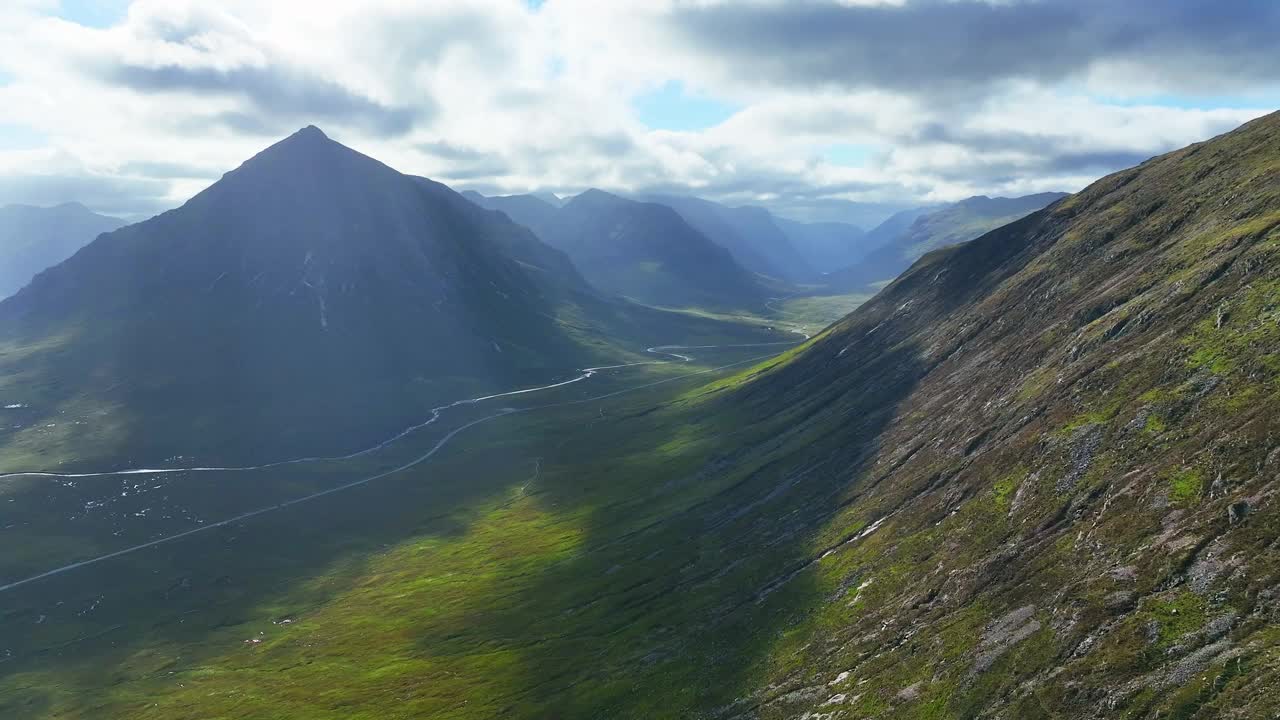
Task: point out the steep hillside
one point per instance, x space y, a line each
949 225
1055 457
751 234
826 246
35 238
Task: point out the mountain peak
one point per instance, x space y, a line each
310 132
596 195
73 206
308 139
595 198
308 158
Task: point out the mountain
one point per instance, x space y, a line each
751 234
967 219
642 250
532 211
550 198
35 238
847 212
826 246
900 243
883 259
311 300
895 225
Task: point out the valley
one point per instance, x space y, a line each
507 459
822 360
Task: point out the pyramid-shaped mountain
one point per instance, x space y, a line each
311 298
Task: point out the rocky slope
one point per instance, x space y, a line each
35 238
1053 464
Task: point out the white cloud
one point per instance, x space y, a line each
493 94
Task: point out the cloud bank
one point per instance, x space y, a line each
825 101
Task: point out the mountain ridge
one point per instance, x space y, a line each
900 244
34 238
751 234
643 250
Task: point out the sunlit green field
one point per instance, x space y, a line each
544 561
812 313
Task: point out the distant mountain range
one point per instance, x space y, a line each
782 250
908 235
785 253
827 246
751 234
35 238
645 251
843 212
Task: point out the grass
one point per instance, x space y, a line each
811 314
430 594
1185 486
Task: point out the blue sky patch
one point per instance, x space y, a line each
20 137
93 13
850 154
671 108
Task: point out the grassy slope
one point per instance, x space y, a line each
1076 484
814 312
488 581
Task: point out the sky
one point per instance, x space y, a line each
802 106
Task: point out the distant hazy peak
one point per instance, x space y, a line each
595 195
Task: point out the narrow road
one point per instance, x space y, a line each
436 412
444 441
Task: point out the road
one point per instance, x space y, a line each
587 373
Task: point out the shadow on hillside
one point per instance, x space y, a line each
689 565
688 577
